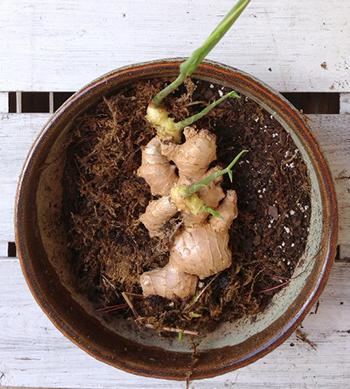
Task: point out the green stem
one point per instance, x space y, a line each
191 64
190 120
160 96
212 177
212 211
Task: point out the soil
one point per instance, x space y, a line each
104 199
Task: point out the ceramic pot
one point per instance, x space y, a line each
42 243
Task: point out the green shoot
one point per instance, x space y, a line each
190 120
212 211
186 197
166 127
212 177
190 65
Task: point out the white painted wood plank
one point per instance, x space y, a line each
4 102
344 251
17 132
50 45
333 135
344 106
35 354
3 248
18 102
51 102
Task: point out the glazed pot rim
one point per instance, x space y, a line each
331 222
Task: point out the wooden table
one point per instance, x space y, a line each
58 46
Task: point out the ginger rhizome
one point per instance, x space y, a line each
200 249
180 175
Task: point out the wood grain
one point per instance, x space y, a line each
61 45
18 131
33 353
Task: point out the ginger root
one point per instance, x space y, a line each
156 170
201 248
169 282
198 251
159 173
192 157
157 213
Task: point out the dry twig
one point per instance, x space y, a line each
171 329
131 305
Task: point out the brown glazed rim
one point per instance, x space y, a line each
213 362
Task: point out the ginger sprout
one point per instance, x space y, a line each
188 67
186 199
157 115
166 127
212 177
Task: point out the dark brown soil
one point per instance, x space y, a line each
104 199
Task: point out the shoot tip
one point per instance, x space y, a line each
233 94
